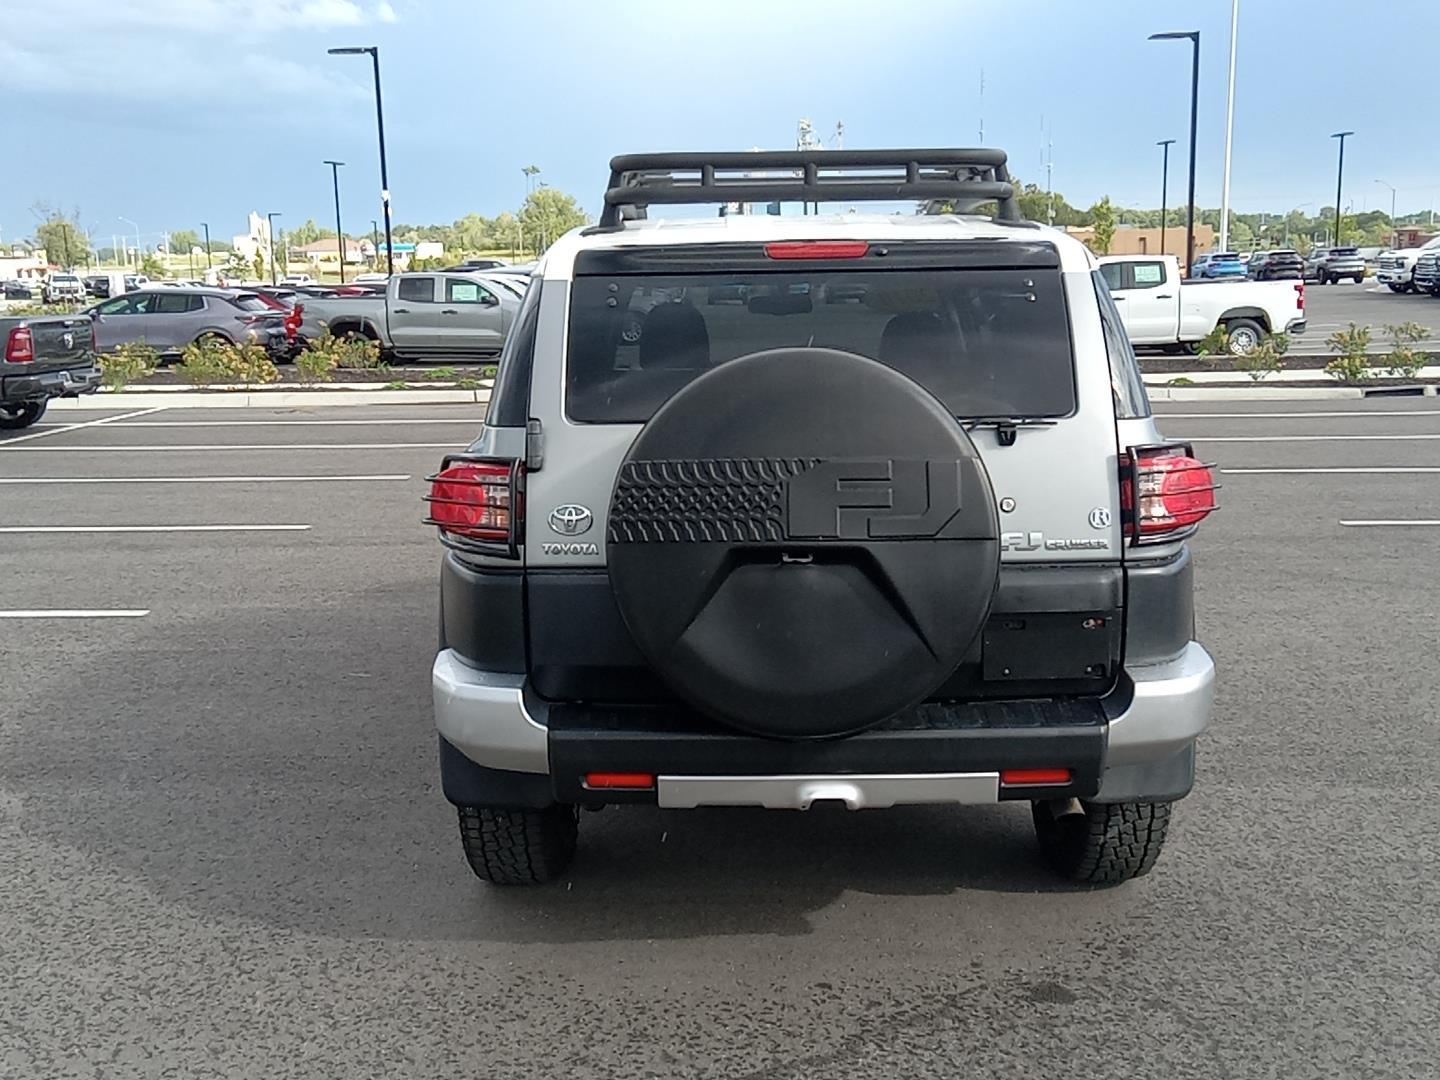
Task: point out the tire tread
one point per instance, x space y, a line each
512 846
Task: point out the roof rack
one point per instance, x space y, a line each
638 181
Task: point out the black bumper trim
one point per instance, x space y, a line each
49 384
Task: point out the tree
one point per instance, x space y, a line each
183 240
308 233
1102 219
151 266
62 238
549 214
259 265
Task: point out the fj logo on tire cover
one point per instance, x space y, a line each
864 500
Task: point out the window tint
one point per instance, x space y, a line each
122 305
460 291
1125 381
985 342
417 290
177 303
510 397
250 303
1114 274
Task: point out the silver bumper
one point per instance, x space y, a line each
492 720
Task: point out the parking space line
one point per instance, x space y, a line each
198 479
1329 415
77 427
1384 522
1311 438
196 448
1371 469
150 528
469 421
76 613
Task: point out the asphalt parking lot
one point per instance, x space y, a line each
1333 307
226 854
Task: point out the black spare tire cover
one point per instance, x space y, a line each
803 542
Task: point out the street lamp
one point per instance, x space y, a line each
1164 185
209 262
132 224
374 51
270 235
339 234
1194 36
1393 233
1339 179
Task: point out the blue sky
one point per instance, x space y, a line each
172 112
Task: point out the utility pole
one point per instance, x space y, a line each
1229 127
1165 144
1339 179
270 235
1393 233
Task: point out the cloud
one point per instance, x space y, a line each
385 13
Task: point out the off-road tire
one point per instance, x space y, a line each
22 414
1110 843
507 846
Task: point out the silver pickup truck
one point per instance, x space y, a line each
420 316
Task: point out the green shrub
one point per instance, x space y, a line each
488 371
1350 365
397 384
250 364
1180 380
1404 359
1266 358
204 362
438 374
1214 344
317 361
357 353
129 362
467 382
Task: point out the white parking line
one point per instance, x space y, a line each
1327 469
195 448
1310 438
1347 415
195 479
76 613
77 427
469 421
150 528
1381 522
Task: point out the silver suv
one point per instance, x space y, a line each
777 510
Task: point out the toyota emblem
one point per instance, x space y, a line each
571 519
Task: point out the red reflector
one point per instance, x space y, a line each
20 346
1166 491
472 498
1030 777
1300 296
818 249
635 781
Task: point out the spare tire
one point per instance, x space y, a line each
803 542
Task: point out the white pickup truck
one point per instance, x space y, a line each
1160 309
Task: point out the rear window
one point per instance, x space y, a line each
991 342
1344 251
250 303
177 303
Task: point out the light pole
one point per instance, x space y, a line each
1229 127
132 224
1165 144
1339 179
209 262
1393 233
1194 36
530 171
374 51
270 235
339 235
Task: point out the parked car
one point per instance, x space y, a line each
41 359
422 315
370 277
1223 264
170 319
135 281
1396 268
729 566
59 288
1329 265
1160 309
298 279
1283 264
474 266
1427 273
19 290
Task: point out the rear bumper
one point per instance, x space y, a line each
50 384
1136 743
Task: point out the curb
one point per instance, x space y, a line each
1252 393
1161 378
268 399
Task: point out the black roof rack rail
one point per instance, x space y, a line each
638 181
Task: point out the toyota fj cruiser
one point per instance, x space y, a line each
891 524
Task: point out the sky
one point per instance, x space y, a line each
174 112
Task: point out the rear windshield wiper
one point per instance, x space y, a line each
1006 427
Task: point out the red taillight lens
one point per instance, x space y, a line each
476 500
293 318
1033 777
631 781
1165 493
1300 296
817 249
20 346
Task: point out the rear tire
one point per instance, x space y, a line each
1396 288
21 414
509 846
1360 280
1245 335
1107 844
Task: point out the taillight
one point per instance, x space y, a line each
20 346
817 249
1164 493
293 318
477 504
1300 296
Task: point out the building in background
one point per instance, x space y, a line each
256 239
1129 240
325 253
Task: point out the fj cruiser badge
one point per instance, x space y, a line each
571 519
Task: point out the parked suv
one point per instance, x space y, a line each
170 319
62 287
923 546
1397 267
1284 264
1427 273
1219 264
1329 265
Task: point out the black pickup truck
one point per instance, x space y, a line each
42 358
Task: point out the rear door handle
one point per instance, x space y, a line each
1164 296
449 311
1116 296
401 310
